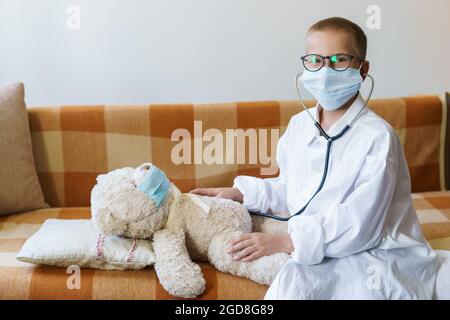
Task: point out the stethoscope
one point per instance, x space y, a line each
330 141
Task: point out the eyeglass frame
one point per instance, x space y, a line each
329 58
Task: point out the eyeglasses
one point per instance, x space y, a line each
339 62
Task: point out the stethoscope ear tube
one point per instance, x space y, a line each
369 96
330 142
300 98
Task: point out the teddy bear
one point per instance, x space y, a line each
142 203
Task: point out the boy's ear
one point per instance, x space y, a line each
365 69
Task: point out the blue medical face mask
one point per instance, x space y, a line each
332 88
155 185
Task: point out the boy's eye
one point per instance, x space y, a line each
342 58
339 58
314 59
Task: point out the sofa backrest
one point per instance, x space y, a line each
196 144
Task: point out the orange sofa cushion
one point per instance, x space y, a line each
73 144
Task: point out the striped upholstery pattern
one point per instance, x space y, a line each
73 144
433 210
24 281
421 123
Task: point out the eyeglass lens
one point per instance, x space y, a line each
315 62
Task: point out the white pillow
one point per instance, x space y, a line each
64 243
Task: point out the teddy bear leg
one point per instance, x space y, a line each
262 270
176 272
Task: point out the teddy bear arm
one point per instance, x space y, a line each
176 272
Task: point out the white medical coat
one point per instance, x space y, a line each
359 238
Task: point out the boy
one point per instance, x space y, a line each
359 238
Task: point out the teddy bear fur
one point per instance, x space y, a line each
181 231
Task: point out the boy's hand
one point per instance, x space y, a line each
251 246
226 193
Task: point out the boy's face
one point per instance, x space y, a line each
330 42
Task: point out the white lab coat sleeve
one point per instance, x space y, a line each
355 225
264 195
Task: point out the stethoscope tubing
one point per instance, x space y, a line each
330 141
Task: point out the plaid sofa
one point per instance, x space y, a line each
73 144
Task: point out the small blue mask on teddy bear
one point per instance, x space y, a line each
155 185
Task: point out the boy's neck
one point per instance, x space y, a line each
328 118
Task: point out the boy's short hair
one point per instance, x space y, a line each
338 23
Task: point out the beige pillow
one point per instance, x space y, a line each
64 243
19 185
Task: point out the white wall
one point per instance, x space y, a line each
147 51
